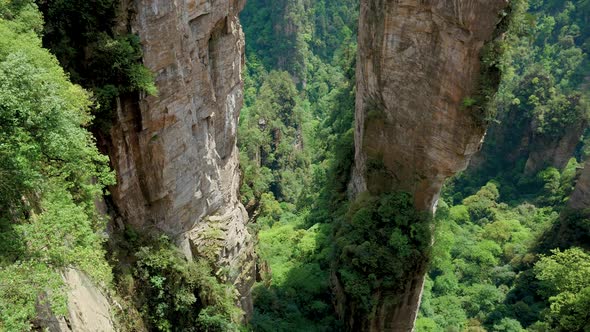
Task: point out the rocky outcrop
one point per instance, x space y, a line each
89 309
175 153
517 138
417 63
580 198
552 151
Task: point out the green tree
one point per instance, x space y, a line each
51 174
564 280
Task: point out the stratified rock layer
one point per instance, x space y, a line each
417 63
175 153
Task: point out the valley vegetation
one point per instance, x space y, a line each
508 255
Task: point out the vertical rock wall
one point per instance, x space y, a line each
175 153
516 138
580 198
417 62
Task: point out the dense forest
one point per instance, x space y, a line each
48 159
495 264
510 253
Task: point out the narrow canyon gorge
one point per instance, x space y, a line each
175 153
294 165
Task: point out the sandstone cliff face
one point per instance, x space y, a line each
417 61
175 154
516 138
580 198
550 151
88 308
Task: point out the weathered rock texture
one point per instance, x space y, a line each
553 151
517 139
580 198
175 153
89 309
417 61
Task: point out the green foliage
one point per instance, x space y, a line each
296 144
481 278
300 36
564 280
459 214
82 36
299 298
64 235
480 205
374 228
495 59
426 325
172 292
572 229
557 186
271 142
116 61
21 286
51 173
543 97
508 325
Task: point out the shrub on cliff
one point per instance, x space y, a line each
50 174
373 229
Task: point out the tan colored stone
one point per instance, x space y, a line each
417 61
175 153
89 309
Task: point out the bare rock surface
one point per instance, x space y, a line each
175 153
89 309
580 198
417 62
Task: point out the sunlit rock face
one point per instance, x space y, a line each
89 308
175 153
418 61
